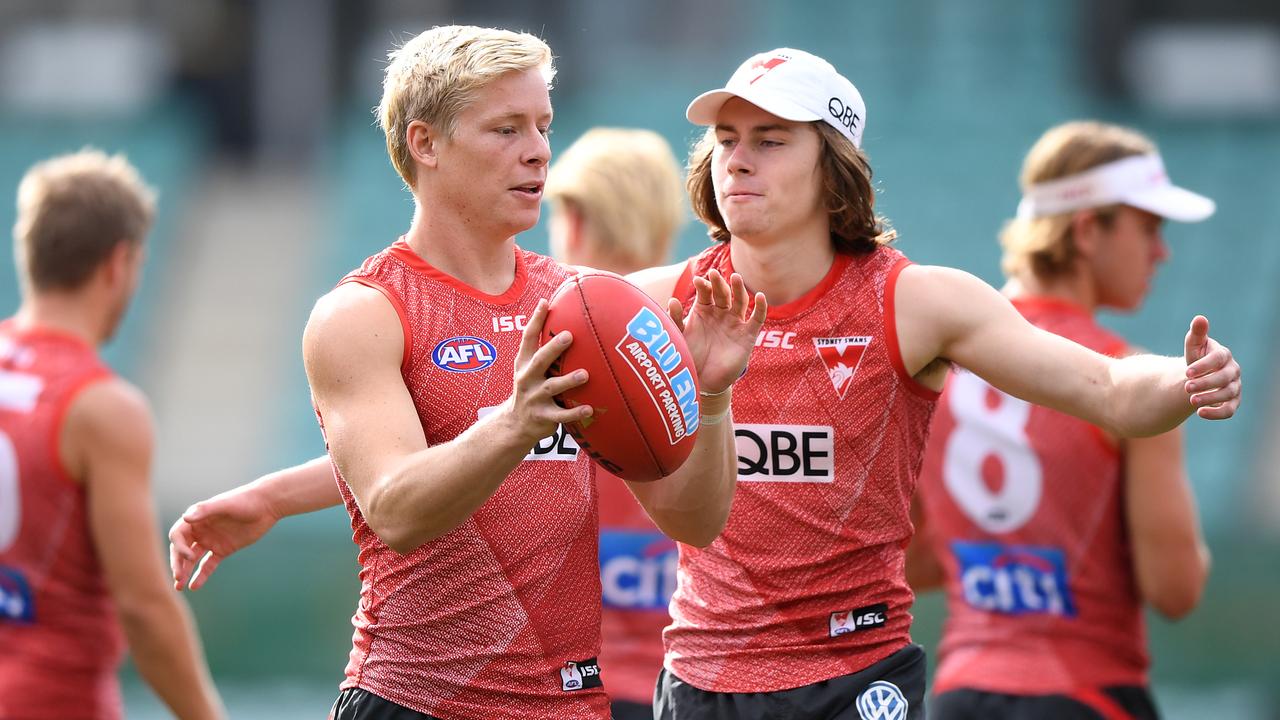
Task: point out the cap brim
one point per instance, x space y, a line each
704 108
1174 203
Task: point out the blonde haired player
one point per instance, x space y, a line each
1049 533
80 573
479 587
801 607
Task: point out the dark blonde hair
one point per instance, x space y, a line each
626 184
73 210
848 194
1044 246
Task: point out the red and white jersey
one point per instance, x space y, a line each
1024 510
499 618
637 579
60 642
807 582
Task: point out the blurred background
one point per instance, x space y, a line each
253 118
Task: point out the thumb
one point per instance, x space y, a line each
195 513
1197 342
676 309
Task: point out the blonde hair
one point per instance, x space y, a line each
848 194
1044 246
626 184
73 210
435 76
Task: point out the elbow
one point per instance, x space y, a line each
140 611
1176 597
1175 604
380 514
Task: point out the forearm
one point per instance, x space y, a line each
164 646
300 489
692 504
1147 395
434 490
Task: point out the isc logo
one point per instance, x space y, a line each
872 616
463 354
785 453
775 339
509 323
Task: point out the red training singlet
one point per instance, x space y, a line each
808 582
637 578
1024 511
60 642
500 617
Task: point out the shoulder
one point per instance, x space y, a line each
110 416
659 282
356 321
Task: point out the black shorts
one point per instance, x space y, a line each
1111 703
892 689
358 704
627 710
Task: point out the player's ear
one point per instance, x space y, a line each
1085 231
423 141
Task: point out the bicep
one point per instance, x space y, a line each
975 327
353 347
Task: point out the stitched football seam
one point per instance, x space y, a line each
617 385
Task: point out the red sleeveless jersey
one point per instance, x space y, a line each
60 642
807 582
1024 510
499 618
637 579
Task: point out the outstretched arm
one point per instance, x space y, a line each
108 438
692 504
212 529
949 314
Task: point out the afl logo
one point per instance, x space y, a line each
463 354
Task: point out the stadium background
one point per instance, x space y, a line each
253 119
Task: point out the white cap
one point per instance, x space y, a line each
794 85
1139 181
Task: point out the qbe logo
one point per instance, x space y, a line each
785 453
463 354
15 597
882 700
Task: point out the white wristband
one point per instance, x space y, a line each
713 419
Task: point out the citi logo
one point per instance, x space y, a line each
463 354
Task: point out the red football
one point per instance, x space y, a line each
641 383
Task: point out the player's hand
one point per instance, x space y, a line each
720 329
1213 375
216 528
532 402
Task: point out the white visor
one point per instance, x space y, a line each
1139 181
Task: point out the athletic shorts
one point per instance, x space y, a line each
358 704
892 689
627 710
1111 703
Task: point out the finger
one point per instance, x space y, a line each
738 291
1218 412
179 566
577 413
531 336
760 311
544 357
558 384
720 293
1212 361
702 289
204 570
1216 397
676 310
1197 337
